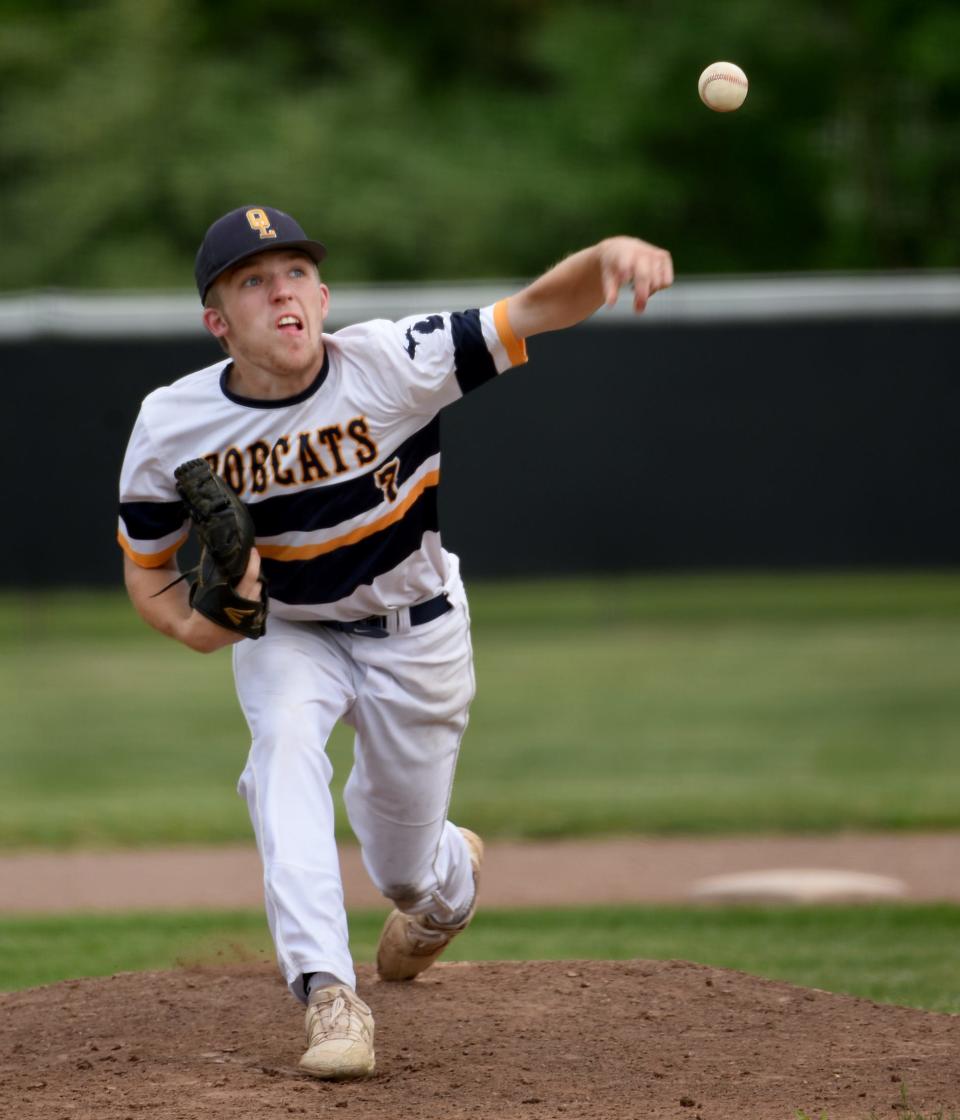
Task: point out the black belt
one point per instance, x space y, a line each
375 625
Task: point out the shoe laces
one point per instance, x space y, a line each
427 933
423 934
338 1015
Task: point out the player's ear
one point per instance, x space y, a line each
214 321
325 298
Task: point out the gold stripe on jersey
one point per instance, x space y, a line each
150 559
516 348
310 551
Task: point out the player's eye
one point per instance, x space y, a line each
297 273
249 281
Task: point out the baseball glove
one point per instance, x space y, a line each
226 534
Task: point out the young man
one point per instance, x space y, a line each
331 441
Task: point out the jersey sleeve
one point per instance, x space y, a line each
153 521
436 359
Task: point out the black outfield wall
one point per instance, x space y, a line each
618 447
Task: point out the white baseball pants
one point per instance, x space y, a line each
407 697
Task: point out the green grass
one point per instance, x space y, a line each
904 1111
686 703
892 954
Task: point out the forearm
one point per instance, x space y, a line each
566 294
575 288
170 612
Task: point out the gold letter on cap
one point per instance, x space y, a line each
258 220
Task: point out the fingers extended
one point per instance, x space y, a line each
646 268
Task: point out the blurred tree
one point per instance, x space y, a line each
444 140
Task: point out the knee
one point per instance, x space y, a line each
280 723
287 748
288 734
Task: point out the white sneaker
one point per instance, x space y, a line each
409 943
339 1035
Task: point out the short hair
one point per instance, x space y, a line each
213 299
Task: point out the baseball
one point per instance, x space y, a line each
723 87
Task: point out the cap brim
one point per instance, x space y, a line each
313 249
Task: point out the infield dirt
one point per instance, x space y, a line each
589 1040
532 873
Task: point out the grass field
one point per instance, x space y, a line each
892 954
629 705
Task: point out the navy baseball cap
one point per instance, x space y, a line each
244 232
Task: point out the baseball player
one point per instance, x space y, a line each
348 608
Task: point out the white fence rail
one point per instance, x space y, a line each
50 314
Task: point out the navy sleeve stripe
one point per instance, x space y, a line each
473 362
150 521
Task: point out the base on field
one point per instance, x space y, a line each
799 885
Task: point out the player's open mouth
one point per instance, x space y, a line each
289 324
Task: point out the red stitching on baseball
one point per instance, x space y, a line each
721 77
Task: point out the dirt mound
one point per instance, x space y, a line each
570 1039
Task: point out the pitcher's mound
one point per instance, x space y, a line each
568 1039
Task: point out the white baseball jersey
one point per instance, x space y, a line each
341 479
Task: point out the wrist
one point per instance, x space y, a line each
202 635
